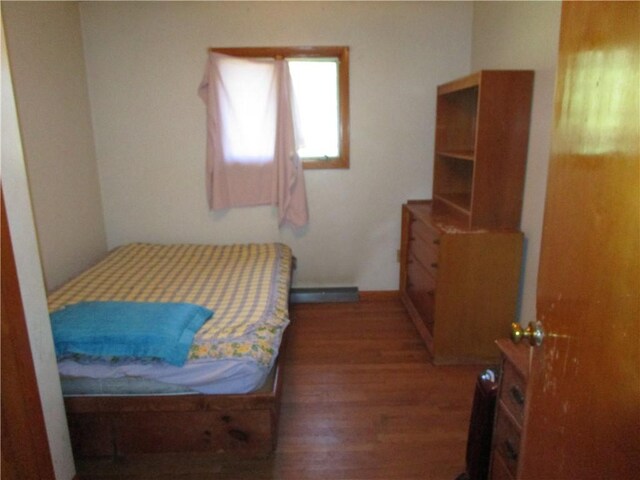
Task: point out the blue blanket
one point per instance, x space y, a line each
121 329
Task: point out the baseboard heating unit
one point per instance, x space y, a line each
324 295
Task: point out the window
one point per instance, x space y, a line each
320 78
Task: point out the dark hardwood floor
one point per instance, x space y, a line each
361 402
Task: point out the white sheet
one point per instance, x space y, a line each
221 376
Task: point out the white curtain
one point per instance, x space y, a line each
251 148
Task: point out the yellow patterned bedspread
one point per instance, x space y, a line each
246 286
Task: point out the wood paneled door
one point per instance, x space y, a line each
584 387
25 448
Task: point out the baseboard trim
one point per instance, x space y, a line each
379 295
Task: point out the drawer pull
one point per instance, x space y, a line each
436 241
510 451
516 395
434 265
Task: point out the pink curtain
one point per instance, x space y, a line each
251 148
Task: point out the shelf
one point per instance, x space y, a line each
469 82
456 115
458 201
453 185
458 154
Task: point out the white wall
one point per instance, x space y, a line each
23 235
145 61
47 60
524 35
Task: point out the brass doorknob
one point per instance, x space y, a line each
533 333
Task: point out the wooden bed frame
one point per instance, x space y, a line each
120 426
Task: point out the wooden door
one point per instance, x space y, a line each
584 403
25 448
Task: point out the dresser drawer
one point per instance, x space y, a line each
506 441
421 289
513 392
423 245
425 254
423 230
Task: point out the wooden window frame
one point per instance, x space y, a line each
342 54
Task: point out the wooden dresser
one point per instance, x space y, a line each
461 252
511 409
460 286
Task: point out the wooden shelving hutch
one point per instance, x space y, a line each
482 131
461 252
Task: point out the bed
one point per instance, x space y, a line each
222 394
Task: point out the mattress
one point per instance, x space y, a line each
245 285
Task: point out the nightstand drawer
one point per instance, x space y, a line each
499 470
506 442
511 410
513 392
